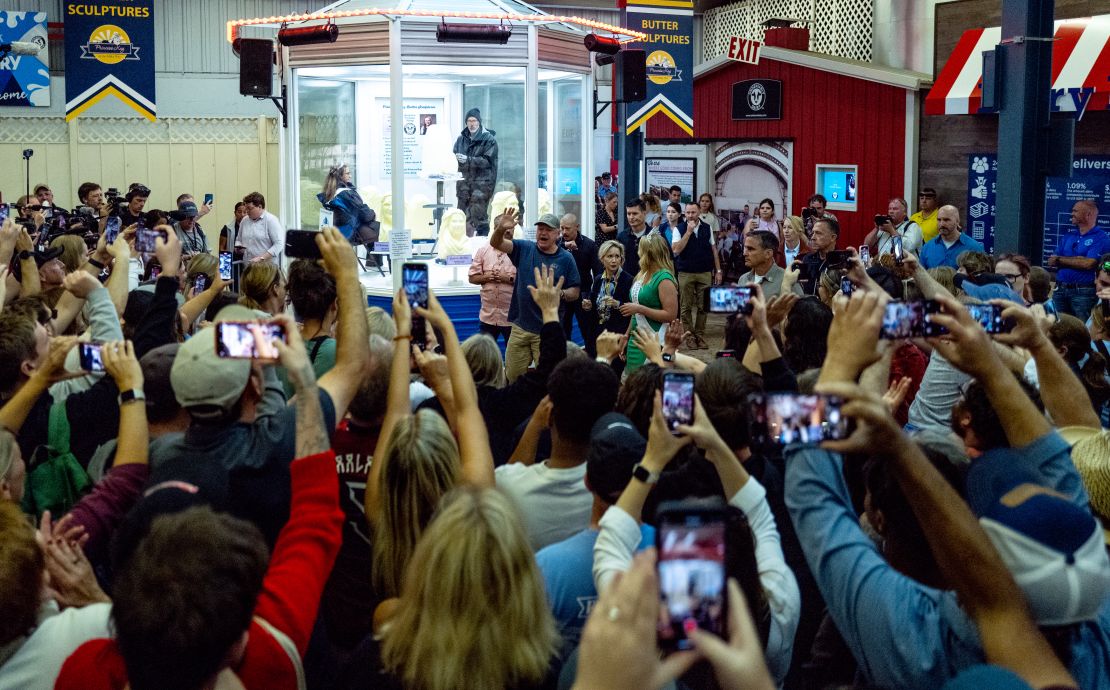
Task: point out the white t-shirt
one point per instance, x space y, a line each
260 236
554 502
39 660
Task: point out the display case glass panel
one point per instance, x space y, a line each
326 137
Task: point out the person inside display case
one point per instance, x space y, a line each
476 152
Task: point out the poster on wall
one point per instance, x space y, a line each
25 68
425 136
109 49
749 172
669 52
664 173
1090 177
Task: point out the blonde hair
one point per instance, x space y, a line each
473 605
946 277
256 282
610 244
203 263
652 203
418 466
798 226
380 323
484 359
74 251
655 256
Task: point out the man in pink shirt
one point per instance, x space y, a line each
492 269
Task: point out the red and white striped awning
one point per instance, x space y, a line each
1080 69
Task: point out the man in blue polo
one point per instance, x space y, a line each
949 243
1076 258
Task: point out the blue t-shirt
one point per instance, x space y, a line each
527 257
1091 246
935 253
567 569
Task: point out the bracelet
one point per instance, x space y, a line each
96 263
401 337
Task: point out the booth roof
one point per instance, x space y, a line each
891 76
500 6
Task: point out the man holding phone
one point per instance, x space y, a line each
894 224
524 339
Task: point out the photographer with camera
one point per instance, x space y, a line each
814 210
895 224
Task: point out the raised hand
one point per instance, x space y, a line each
122 365
739 664
610 345
546 293
80 284
168 250
337 252
854 335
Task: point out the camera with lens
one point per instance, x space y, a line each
882 220
808 213
114 200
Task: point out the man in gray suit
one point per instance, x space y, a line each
759 253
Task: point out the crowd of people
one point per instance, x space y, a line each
374 509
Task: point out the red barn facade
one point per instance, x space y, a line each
835 111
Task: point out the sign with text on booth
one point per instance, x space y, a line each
109 49
744 50
669 51
25 69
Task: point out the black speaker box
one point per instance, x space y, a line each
630 67
256 67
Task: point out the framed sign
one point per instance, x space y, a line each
664 173
757 99
838 184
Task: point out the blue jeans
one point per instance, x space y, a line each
1077 301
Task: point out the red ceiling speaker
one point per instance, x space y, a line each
602 44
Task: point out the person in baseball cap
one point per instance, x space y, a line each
208 386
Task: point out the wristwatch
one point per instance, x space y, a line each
25 254
131 396
668 357
644 475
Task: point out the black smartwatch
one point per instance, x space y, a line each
132 395
668 357
644 475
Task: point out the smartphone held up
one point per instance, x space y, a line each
691 544
414 281
678 399
237 339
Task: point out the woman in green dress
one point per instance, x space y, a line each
654 295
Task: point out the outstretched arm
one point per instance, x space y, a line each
505 222
352 337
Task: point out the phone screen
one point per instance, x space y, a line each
846 285
5 209
225 265
208 199
784 418
865 255
692 579
145 240
414 280
990 318
910 320
678 398
200 283
235 340
112 228
91 359
730 299
897 246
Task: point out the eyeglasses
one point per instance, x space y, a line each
1010 277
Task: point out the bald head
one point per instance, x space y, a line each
568 224
948 222
1084 214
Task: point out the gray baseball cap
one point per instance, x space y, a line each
548 219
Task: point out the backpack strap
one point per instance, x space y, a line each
287 645
317 342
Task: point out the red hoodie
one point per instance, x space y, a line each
290 596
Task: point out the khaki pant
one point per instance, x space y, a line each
691 296
523 349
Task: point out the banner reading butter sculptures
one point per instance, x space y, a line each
669 48
109 52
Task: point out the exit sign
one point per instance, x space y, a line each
744 50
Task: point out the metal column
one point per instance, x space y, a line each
1025 58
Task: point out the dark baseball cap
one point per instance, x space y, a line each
615 448
187 209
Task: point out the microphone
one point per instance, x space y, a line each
20 48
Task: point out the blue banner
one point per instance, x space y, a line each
110 52
25 70
669 49
1090 180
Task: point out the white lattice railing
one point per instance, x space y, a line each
838 27
129 130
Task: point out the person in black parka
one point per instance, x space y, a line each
476 151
